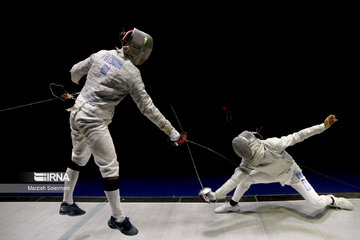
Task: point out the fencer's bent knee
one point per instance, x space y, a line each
111 184
237 177
72 165
247 182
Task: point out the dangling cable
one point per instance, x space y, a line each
209 149
257 133
62 95
28 104
187 145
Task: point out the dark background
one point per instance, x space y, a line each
282 70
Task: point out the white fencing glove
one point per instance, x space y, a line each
177 139
174 136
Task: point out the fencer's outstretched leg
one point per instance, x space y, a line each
302 186
341 203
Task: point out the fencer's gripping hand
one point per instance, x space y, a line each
330 120
177 139
174 136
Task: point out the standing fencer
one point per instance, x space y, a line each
111 75
266 161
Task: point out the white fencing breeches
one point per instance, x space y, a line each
298 182
90 135
302 186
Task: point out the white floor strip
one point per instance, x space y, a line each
82 222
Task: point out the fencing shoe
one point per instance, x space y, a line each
125 226
226 207
341 203
71 210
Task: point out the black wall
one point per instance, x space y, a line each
281 72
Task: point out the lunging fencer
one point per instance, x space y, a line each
111 75
266 161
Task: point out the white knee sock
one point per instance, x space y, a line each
114 200
70 185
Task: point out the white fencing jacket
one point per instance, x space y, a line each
271 157
110 78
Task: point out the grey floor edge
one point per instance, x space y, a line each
292 219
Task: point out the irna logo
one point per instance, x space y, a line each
51 177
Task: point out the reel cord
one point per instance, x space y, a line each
187 145
63 97
28 104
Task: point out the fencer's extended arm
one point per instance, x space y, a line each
80 69
230 184
145 104
282 143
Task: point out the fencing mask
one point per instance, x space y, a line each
137 45
243 145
